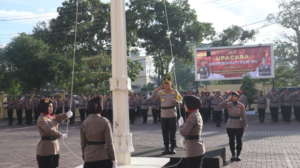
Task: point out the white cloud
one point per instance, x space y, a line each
25 17
41 9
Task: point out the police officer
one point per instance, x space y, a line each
274 104
203 106
286 105
10 108
264 69
216 99
109 107
96 138
88 98
243 98
54 104
209 108
66 100
168 99
155 109
203 71
82 107
236 124
29 106
48 148
226 96
144 107
261 105
36 105
19 108
60 105
191 131
132 108
72 108
296 96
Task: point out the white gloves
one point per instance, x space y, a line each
135 110
182 142
69 114
115 165
64 136
180 121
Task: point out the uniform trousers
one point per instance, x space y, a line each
99 164
145 115
110 115
50 161
202 112
261 113
208 113
154 114
195 162
72 119
59 111
297 112
168 127
82 114
36 114
28 113
139 111
183 115
218 117
19 116
235 134
132 115
226 115
286 113
10 116
158 115
274 113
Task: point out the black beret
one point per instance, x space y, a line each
260 91
235 93
192 102
95 105
44 104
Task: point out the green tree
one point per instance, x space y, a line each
148 87
249 88
31 63
288 17
184 74
186 30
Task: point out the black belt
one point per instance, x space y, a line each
192 137
234 117
95 143
51 138
170 107
144 104
274 102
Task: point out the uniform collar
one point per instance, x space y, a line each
95 115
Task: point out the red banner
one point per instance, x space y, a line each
234 63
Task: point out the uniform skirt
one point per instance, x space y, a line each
50 161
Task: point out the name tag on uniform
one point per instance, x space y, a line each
44 118
162 100
163 93
172 92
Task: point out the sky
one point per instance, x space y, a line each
222 13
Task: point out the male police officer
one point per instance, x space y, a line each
274 104
60 105
203 71
132 108
296 95
243 98
144 107
261 105
168 98
19 109
82 107
10 108
217 113
29 107
203 106
155 109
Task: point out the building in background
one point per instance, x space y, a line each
148 75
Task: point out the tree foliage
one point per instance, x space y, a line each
249 88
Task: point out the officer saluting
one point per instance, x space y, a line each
203 71
10 110
296 95
96 138
286 105
191 131
274 104
236 124
132 108
168 98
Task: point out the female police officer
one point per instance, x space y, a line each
96 138
48 148
191 131
236 124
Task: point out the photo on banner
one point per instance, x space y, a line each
233 62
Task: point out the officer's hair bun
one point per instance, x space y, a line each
95 105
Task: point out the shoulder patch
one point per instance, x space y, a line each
173 92
44 118
163 93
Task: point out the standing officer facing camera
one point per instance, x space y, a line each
236 124
168 98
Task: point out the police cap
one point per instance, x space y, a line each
235 93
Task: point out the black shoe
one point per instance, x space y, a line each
238 159
233 158
173 151
166 151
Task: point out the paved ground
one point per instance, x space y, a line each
265 145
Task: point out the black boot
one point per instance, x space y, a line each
238 159
173 151
233 158
166 151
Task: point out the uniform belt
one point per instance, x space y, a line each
261 103
192 137
170 107
144 104
234 117
274 102
95 143
51 138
